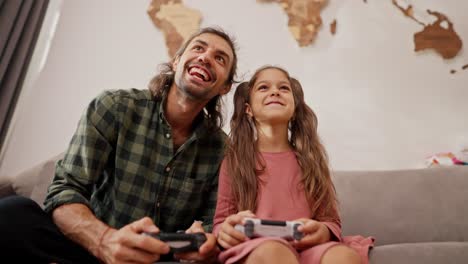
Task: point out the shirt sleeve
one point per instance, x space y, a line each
86 156
225 205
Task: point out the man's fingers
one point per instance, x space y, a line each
151 244
136 239
133 236
125 254
130 245
144 242
207 251
195 228
145 224
187 256
209 244
134 255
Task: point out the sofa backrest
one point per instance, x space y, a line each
405 206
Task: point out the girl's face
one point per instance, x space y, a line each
271 98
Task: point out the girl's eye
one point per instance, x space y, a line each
262 87
286 88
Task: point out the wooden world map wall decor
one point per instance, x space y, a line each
177 22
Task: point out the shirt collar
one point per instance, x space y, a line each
162 117
200 126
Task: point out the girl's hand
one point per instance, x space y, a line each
315 233
228 236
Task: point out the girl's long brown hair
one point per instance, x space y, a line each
244 161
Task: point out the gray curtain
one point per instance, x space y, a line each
20 23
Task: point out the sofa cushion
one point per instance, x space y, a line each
406 206
427 253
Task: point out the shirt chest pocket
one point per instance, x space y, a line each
188 189
185 200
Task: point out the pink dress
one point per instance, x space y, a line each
280 198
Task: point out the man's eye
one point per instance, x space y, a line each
220 59
197 48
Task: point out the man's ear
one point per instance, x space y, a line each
175 62
248 110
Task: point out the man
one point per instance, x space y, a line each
139 161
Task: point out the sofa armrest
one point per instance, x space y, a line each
6 188
33 182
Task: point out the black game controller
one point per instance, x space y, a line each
260 228
180 242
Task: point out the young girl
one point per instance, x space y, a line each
276 168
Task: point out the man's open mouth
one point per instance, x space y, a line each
200 73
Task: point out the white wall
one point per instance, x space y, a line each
380 105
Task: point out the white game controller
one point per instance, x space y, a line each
260 228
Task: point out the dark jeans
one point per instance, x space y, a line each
28 234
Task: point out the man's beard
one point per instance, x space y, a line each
192 91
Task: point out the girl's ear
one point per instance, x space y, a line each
248 110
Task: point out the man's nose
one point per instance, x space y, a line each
205 58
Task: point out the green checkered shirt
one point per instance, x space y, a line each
121 164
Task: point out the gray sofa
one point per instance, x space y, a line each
415 216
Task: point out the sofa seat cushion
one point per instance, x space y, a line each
427 253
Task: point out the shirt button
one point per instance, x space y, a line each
168 135
168 168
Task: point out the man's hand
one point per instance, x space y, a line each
129 245
126 245
228 236
315 233
207 252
